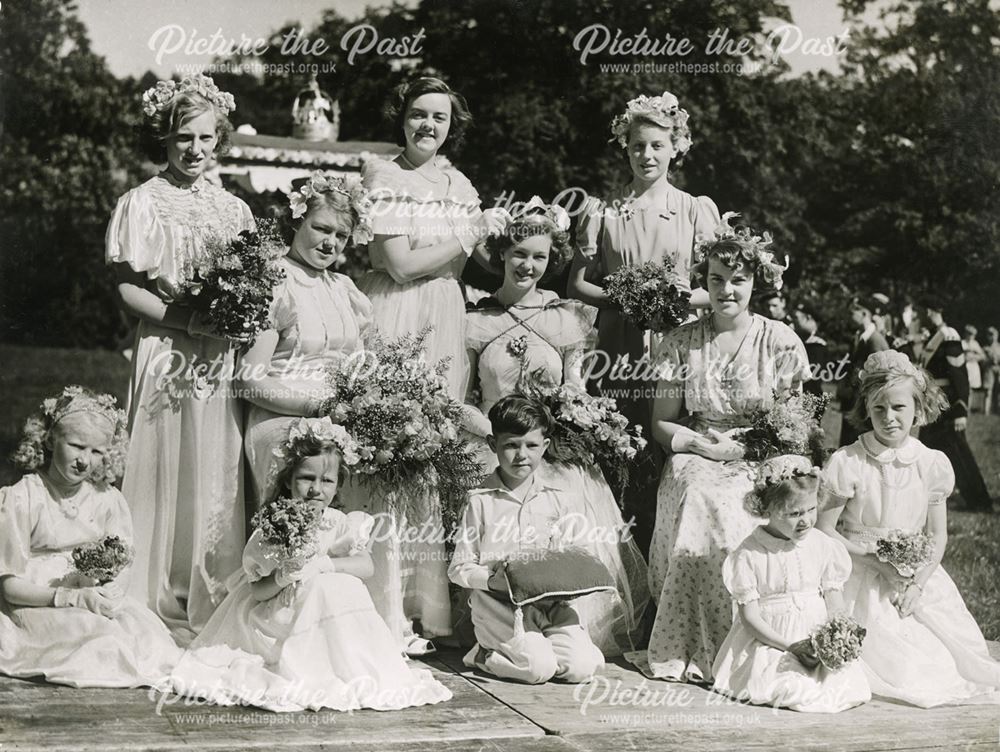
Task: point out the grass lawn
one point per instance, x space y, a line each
28 375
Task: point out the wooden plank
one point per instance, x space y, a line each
622 709
45 717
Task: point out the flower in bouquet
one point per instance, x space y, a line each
651 295
233 282
907 552
289 528
791 425
405 425
837 641
102 560
587 429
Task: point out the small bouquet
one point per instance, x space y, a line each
790 426
233 283
650 295
102 560
837 641
289 528
587 429
397 409
907 552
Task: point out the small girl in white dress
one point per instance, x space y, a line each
786 579
294 636
923 646
56 622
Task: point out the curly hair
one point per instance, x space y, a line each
303 448
560 253
734 252
338 202
403 96
34 451
763 502
157 128
929 401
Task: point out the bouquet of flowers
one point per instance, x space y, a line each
907 552
790 426
102 560
650 295
233 283
289 528
397 409
837 641
587 429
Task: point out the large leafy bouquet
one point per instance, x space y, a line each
397 409
837 641
650 295
233 282
102 560
907 552
587 429
288 528
791 425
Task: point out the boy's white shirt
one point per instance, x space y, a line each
497 525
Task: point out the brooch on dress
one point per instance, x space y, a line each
518 346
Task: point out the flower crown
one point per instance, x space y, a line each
755 244
662 109
307 430
522 224
322 182
891 363
32 452
161 96
775 471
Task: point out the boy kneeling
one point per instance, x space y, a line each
516 512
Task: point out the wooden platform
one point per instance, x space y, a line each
619 711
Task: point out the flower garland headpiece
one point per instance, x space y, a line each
523 225
773 472
161 96
663 109
891 363
306 431
322 182
32 453
755 244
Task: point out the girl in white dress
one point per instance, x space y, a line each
184 475
54 621
293 636
786 579
923 646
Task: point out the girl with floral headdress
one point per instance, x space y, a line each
786 579
522 333
184 474
923 646
714 374
298 630
57 621
318 316
649 219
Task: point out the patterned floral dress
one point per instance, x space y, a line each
700 517
184 474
